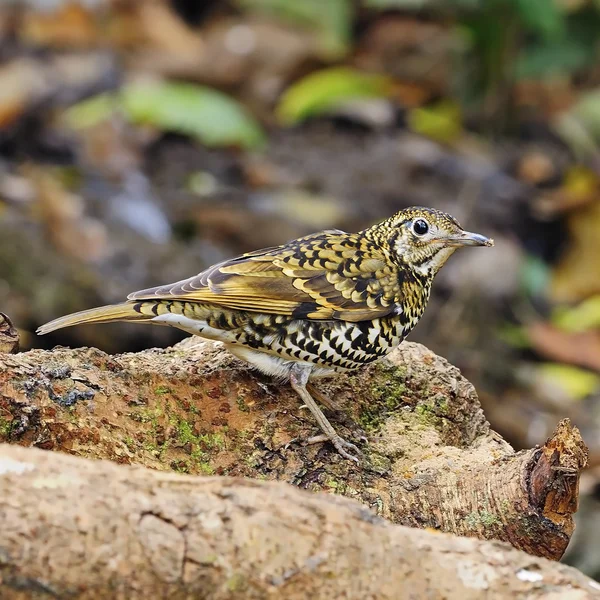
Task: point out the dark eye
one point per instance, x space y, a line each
420 227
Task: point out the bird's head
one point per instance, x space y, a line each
424 238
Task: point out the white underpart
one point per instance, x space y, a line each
355 333
271 338
374 333
267 363
272 365
195 327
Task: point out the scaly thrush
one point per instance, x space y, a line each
322 304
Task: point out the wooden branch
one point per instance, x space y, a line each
430 460
81 529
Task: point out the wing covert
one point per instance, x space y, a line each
329 275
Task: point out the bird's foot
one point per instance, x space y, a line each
298 379
339 443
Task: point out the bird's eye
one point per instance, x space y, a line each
420 227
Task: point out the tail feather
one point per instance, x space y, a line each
104 314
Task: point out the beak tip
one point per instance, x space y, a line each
473 239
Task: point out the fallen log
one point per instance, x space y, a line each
73 528
431 460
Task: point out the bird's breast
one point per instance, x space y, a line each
339 345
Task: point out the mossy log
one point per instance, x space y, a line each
79 529
431 460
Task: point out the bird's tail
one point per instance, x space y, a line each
127 311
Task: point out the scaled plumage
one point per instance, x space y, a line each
327 302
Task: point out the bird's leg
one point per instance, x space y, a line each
298 379
313 391
331 405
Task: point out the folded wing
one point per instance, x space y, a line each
330 275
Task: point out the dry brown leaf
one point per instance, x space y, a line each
577 274
70 26
535 167
62 214
549 96
581 349
22 82
166 32
581 186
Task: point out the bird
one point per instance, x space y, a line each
325 303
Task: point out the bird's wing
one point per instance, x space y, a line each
330 275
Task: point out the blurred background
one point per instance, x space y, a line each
143 140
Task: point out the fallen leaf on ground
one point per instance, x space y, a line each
198 111
62 213
576 383
319 92
581 317
72 25
581 349
441 122
581 186
575 277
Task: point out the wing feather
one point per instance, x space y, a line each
329 275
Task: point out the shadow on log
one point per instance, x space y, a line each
431 460
79 529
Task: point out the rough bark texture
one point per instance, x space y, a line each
430 460
73 528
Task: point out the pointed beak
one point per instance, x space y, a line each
466 238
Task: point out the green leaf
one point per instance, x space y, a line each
202 112
514 335
554 58
577 383
576 49
441 122
90 112
587 110
331 19
319 92
197 111
583 317
542 16
579 127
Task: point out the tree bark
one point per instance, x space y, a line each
430 461
73 528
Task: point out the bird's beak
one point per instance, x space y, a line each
466 238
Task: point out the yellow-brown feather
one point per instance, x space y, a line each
331 275
102 314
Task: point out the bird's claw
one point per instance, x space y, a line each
340 443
